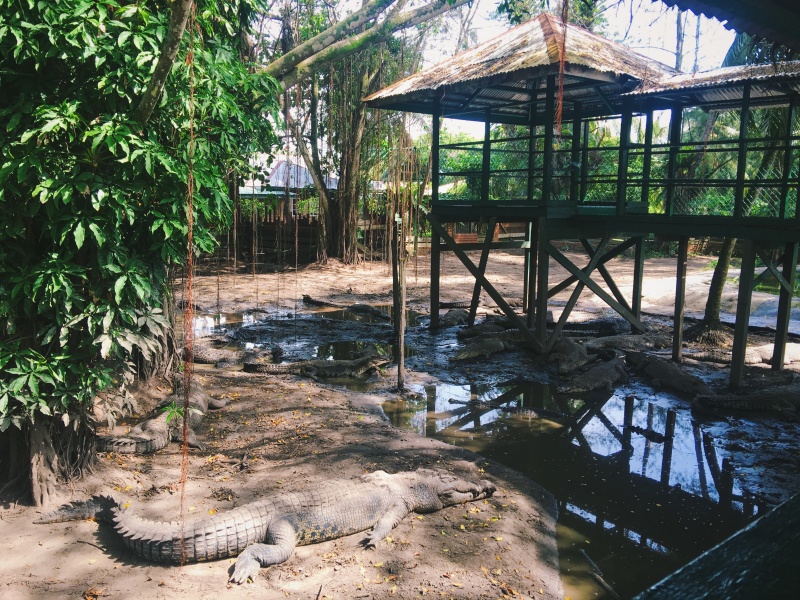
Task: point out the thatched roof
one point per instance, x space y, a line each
502 73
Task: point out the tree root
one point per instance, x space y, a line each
716 334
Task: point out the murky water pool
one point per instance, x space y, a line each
639 486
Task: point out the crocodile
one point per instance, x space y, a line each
359 309
606 375
320 367
266 532
206 351
569 355
752 356
629 342
485 346
451 318
665 373
156 432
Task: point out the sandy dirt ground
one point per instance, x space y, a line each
287 433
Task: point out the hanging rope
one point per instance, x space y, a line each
188 325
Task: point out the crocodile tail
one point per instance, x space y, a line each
96 507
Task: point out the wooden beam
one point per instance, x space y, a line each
532 142
622 164
549 122
476 292
608 299
542 283
493 293
787 156
573 299
680 299
435 131
785 305
743 304
575 157
613 253
647 159
638 278
585 162
675 124
486 164
532 256
741 161
436 255
606 276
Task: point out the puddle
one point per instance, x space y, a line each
640 503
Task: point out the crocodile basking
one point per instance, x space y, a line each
484 346
569 355
667 374
630 342
358 309
210 351
265 532
319 367
156 432
752 356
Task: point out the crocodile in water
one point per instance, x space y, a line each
603 376
667 374
156 432
265 532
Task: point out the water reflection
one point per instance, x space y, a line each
638 480
205 325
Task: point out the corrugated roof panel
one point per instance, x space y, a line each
726 76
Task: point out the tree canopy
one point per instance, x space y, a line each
94 199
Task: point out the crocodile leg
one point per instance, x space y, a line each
386 523
281 537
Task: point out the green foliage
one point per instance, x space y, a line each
94 202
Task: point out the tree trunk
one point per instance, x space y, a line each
43 461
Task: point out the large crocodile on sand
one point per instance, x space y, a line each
320 367
265 532
156 432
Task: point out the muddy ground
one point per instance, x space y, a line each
289 433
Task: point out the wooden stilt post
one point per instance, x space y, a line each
638 275
436 254
435 241
533 261
543 275
745 298
680 299
785 304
